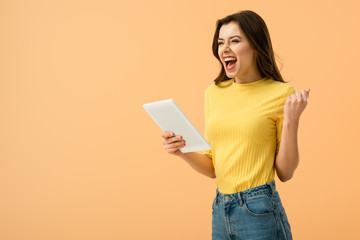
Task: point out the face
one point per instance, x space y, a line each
232 42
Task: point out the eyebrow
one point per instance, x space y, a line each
230 37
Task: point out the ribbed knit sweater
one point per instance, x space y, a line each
243 124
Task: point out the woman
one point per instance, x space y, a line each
248 111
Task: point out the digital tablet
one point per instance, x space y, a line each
170 118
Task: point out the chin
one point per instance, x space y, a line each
231 75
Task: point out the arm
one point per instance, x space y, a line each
287 158
200 162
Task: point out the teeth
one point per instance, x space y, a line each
229 59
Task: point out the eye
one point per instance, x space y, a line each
231 41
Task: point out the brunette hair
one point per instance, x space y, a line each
256 32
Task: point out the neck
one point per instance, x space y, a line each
248 77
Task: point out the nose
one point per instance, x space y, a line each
226 47
227 50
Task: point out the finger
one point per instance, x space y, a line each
173 150
293 97
304 95
299 96
173 139
167 134
175 146
307 94
288 99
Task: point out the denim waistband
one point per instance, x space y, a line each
269 187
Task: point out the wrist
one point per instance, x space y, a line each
291 121
180 154
290 124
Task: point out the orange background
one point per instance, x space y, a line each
81 159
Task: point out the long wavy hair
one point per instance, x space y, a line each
256 31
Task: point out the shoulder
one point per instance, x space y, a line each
210 88
291 89
283 88
224 84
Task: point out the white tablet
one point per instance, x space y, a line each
170 118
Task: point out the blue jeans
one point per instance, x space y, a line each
255 213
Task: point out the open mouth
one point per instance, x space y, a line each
230 64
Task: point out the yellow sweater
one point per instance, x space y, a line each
243 124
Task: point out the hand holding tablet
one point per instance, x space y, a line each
170 118
172 143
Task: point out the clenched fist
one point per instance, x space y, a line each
295 105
